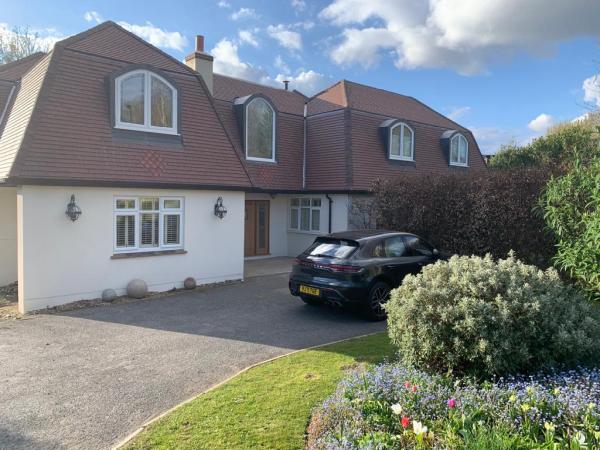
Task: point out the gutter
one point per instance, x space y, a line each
330 203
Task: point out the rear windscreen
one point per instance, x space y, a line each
332 248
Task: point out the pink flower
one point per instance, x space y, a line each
414 388
407 384
451 403
405 422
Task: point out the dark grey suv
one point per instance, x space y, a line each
358 268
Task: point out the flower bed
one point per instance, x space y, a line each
393 406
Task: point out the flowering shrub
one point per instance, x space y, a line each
393 406
476 316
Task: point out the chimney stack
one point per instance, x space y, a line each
201 62
286 82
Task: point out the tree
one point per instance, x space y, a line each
19 43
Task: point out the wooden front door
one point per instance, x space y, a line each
256 231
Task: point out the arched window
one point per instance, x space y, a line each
260 130
145 101
459 150
402 142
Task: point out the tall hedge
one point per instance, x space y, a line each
491 212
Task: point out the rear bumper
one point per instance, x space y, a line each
332 291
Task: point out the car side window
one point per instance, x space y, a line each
395 247
419 247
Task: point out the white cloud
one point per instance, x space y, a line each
308 82
245 13
281 64
581 118
541 123
248 37
223 4
157 36
457 113
292 40
591 90
299 5
93 16
464 35
228 62
490 139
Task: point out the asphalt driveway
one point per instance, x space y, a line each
86 379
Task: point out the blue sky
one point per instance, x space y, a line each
506 69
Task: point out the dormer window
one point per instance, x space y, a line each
145 101
402 142
459 151
260 130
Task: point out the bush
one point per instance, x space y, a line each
389 407
470 214
571 207
558 149
472 315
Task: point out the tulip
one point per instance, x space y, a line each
405 422
451 403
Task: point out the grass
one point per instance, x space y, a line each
267 407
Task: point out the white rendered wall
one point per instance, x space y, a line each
298 241
62 261
8 235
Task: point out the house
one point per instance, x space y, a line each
152 151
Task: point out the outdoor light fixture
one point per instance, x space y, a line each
73 211
220 210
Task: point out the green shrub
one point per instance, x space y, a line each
475 316
470 214
571 207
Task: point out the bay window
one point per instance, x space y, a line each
148 223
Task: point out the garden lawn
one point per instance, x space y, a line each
268 406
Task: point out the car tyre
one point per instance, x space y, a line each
378 296
310 300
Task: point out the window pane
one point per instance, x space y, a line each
419 247
172 204
295 202
454 150
132 99
294 218
395 143
162 104
305 219
171 226
316 220
123 203
463 150
407 150
305 202
316 202
395 248
149 204
260 119
149 230
125 231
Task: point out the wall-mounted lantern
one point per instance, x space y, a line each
220 210
73 211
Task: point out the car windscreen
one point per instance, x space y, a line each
332 248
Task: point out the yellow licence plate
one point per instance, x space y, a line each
309 290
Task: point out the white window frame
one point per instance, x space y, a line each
311 208
458 163
137 212
273 134
401 157
147 126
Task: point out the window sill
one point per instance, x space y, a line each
314 232
144 254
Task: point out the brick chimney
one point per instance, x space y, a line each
201 62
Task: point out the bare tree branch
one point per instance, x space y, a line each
19 43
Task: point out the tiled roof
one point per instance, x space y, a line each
13 71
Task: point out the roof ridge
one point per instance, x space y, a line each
256 83
326 90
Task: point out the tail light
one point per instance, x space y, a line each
338 268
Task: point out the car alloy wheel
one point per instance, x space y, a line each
379 295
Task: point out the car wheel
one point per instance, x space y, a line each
378 296
310 300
